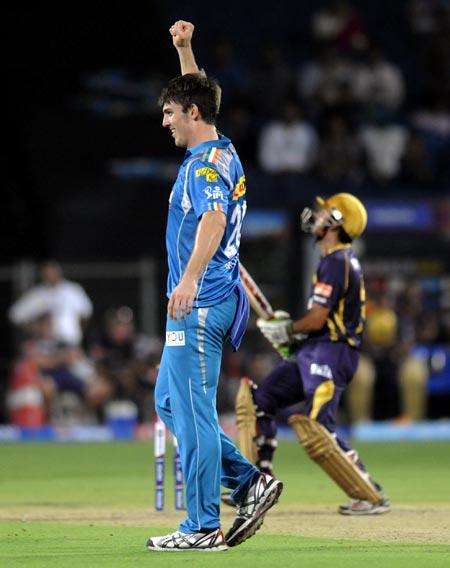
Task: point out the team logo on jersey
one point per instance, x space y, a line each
239 189
175 338
321 370
211 175
214 192
322 289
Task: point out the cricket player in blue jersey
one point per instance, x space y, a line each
321 352
207 307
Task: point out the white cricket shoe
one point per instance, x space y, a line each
186 542
261 496
361 507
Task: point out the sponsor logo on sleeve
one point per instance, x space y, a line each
210 174
239 189
214 192
175 338
323 289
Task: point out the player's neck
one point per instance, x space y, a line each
203 133
329 243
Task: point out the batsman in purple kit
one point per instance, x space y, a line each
320 355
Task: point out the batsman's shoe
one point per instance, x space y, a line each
188 542
360 507
261 496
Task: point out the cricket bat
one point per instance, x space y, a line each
258 301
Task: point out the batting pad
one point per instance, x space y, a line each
322 448
246 420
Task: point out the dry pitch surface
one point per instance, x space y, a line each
420 524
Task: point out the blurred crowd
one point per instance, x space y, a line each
404 370
63 375
339 106
348 114
66 372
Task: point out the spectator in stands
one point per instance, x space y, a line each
227 69
339 25
66 303
416 168
374 389
379 81
62 379
340 152
288 145
271 69
423 16
432 122
429 21
126 361
384 142
238 123
325 81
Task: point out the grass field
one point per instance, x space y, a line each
89 505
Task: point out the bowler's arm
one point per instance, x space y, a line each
181 33
209 235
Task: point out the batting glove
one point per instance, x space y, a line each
277 331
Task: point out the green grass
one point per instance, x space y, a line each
120 476
47 545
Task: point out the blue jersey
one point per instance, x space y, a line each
211 178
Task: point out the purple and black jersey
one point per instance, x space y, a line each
338 285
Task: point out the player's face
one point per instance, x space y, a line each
321 218
178 122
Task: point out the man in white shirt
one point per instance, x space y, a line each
66 302
288 145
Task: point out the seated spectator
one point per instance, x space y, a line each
340 152
433 124
288 145
126 361
270 69
54 369
374 389
429 21
423 16
384 143
227 69
339 25
237 122
416 168
66 303
379 82
321 81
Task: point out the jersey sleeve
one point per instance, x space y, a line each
330 284
208 190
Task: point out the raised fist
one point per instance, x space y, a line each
181 33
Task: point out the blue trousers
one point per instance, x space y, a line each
185 398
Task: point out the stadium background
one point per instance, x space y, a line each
88 166
86 175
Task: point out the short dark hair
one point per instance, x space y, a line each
343 236
194 89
